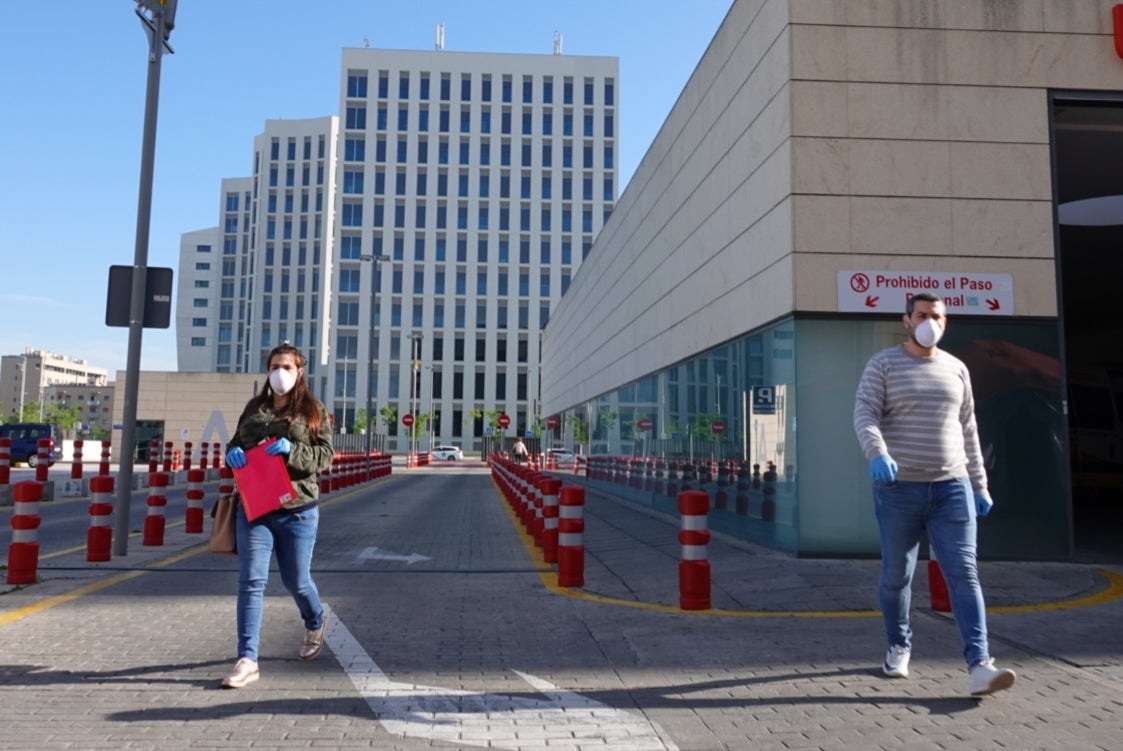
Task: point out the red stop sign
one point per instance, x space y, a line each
503 421
551 422
718 427
645 423
407 420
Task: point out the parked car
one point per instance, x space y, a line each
447 454
559 456
25 441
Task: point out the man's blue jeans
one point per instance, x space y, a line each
946 511
291 536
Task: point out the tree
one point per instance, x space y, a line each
361 421
64 417
580 429
390 419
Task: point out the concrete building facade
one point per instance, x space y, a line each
28 378
826 160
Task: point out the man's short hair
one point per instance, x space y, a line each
926 296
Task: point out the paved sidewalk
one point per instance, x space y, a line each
446 632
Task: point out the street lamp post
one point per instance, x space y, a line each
415 364
433 373
371 359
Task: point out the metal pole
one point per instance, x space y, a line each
371 357
156 38
415 351
22 385
370 354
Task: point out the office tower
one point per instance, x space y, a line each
471 187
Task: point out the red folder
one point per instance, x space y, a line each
263 483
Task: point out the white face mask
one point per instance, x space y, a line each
928 333
282 381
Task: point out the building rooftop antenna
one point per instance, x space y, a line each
366 41
557 43
439 37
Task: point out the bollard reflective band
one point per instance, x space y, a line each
693 552
690 522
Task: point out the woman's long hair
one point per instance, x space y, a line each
301 401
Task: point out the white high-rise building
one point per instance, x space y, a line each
450 204
483 180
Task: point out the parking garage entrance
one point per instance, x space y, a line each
1088 154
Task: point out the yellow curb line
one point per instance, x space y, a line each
547 575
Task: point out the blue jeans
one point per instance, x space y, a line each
291 536
946 511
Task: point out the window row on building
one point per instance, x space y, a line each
537 90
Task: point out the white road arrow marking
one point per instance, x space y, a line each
563 720
378 554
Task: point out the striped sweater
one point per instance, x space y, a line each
920 411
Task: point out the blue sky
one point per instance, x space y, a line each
74 74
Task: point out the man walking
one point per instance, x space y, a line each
914 415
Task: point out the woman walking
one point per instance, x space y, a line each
287 411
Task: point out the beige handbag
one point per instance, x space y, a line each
224 529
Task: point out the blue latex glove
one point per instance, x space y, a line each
883 469
236 458
983 504
280 446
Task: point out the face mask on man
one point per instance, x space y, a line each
282 381
928 333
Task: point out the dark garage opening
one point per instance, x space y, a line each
1088 143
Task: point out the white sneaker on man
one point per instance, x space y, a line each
985 678
897 662
245 672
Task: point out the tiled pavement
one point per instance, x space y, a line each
445 634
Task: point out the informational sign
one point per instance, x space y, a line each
764 400
963 293
407 420
645 423
503 421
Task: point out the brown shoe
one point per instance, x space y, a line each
313 641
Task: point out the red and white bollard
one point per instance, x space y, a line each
188 450
225 481
550 490
167 456
193 523
694 568
23 552
157 499
103 464
42 459
204 456
76 463
99 537
571 537
937 588
153 456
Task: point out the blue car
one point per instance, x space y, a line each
25 441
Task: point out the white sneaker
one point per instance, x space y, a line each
985 678
244 673
897 662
